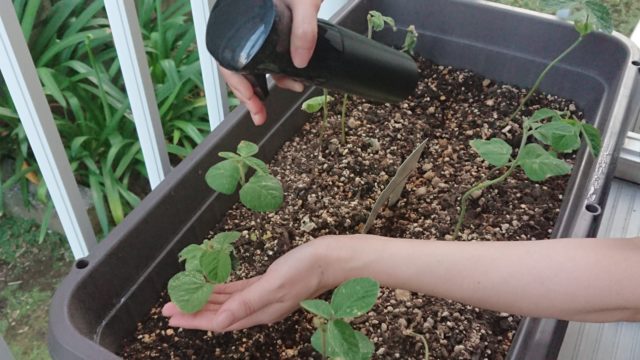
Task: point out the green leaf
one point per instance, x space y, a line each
495 151
73 40
189 291
563 135
410 40
538 164
257 164
247 148
46 218
587 14
377 21
50 85
228 155
98 200
354 297
599 16
542 114
262 193
113 196
224 176
318 307
365 345
315 103
591 135
5 112
191 256
343 339
390 21
29 17
316 342
216 265
224 240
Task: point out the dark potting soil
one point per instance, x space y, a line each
330 188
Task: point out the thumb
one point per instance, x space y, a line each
243 304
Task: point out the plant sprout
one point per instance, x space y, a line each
314 104
206 265
262 193
562 134
334 337
376 22
411 40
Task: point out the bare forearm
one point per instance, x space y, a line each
573 279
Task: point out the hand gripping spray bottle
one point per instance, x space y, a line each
252 37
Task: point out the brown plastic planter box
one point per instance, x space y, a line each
106 294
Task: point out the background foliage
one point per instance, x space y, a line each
73 50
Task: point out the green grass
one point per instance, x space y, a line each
29 274
625 13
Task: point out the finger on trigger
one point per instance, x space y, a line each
238 84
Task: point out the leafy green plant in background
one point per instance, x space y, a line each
77 64
262 192
562 134
334 337
206 265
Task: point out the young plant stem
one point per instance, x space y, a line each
323 334
325 110
343 117
424 342
544 72
369 29
464 201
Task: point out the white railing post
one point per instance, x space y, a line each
137 79
215 89
635 37
19 71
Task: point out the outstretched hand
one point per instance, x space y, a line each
264 299
304 34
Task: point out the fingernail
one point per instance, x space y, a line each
222 321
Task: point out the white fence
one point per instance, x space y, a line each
18 69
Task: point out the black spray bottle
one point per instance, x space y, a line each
252 38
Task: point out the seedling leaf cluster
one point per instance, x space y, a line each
206 265
560 132
210 263
334 337
262 192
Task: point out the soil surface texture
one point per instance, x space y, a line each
330 188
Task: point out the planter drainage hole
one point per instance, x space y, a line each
593 209
635 63
82 263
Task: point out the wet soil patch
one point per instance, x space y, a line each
330 188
